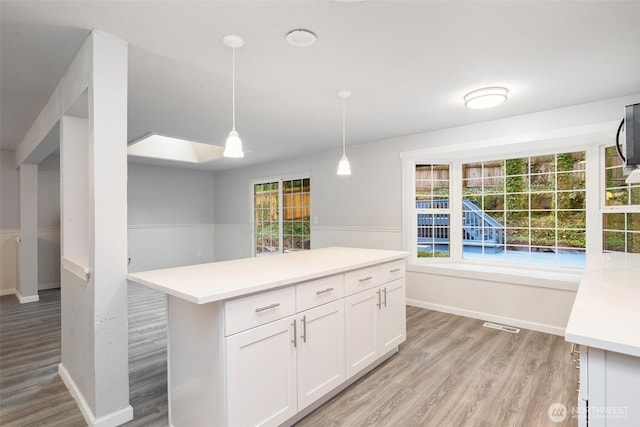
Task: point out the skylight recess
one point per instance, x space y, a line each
179 150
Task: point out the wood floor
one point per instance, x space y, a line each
450 372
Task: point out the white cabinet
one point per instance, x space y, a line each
392 325
261 375
375 323
262 341
609 383
320 344
278 369
361 325
268 358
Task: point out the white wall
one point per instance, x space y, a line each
49 222
362 210
170 217
365 210
9 220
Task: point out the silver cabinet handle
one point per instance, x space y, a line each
365 279
385 296
304 329
267 307
395 270
295 334
379 302
324 291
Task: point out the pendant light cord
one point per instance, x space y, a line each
344 107
233 89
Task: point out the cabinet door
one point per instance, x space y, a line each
361 326
393 315
261 375
321 361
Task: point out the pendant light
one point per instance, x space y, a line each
233 147
343 166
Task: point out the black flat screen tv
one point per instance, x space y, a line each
632 128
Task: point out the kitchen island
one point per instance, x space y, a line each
605 323
263 341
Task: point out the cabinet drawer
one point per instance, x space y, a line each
392 270
255 310
362 279
320 291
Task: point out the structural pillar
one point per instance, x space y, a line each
27 290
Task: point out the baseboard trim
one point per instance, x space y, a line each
27 299
46 286
4 292
111 420
534 326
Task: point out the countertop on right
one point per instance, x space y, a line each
606 311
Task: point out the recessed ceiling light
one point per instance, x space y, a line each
301 38
486 97
179 150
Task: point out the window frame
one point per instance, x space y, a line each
602 200
272 179
456 157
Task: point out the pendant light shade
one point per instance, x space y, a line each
233 146
344 168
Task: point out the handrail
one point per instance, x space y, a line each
478 224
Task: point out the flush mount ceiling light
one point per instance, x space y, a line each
233 146
486 97
301 38
343 166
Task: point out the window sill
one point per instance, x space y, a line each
568 281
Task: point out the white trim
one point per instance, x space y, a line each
563 280
27 299
534 326
581 136
9 231
77 265
147 226
356 228
46 286
113 419
11 291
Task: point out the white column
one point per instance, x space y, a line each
28 275
108 247
94 239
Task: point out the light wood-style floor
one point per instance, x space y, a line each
450 372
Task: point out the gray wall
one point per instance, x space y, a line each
9 191
365 210
170 217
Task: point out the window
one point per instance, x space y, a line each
282 215
621 207
527 210
432 210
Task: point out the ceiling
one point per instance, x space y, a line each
407 63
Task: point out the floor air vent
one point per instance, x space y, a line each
501 327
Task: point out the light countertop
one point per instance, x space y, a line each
606 311
203 283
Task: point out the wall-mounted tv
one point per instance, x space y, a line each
631 122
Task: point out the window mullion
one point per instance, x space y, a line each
280 217
455 210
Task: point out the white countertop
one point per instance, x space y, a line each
606 311
203 283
